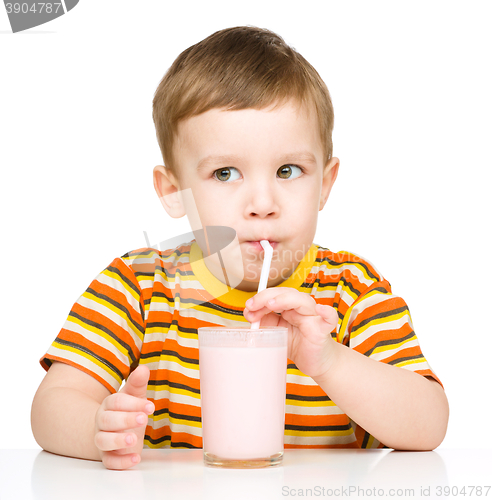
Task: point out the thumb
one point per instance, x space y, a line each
328 313
136 385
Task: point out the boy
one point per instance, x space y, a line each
244 124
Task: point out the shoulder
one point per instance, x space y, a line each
349 269
148 260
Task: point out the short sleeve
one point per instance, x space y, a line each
104 330
379 326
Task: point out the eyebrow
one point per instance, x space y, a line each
301 157
216 159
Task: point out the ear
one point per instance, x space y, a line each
330 173
167 188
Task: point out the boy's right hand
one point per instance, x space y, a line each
121 421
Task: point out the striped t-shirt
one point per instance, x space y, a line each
146 307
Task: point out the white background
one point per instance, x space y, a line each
410 84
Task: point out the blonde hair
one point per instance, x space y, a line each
237 68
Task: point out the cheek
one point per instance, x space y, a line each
302 212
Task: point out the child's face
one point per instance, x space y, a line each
260 172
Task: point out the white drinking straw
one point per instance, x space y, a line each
265 271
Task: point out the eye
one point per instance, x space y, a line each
289 171
225 174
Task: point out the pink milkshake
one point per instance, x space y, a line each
242 385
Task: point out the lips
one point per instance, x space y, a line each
257 245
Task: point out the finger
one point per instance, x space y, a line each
136 385
261 298
112 421
266 318
284 298
112 460
273 319
253 316
124 402
328 313
302 303
112 441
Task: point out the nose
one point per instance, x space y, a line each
262 201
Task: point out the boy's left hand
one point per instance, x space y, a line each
309 326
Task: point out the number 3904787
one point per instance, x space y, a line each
39 7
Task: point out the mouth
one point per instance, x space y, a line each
256 245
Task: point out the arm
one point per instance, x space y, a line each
75 415
400 408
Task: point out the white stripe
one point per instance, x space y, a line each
420 365
173 334
345 268
323 294
189 429
378 356
173 366
145 283
122 321
98 340
362 336
365 261
175 397
116 284
369 301
313 410
159 304
300 380
345 299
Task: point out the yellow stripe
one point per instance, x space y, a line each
117 277
346 290
220 314
186 335
182 392
411 362
116 310
372 293
356 264
390 347
164 444
380 321
100 333
296 371
344 325
295 402
90 358
289 432
346 318
177 421
175 359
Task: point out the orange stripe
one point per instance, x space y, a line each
305 390
316 420
78 339
80 367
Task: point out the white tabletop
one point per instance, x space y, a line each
181 474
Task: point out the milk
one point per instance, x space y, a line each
243 400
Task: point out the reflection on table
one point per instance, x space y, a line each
182 474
